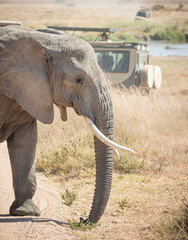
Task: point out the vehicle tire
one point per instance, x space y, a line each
157 77
147 76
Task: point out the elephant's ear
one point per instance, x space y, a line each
23 77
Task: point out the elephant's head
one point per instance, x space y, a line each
39 69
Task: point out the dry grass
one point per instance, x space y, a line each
155 124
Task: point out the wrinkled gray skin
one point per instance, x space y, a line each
37 70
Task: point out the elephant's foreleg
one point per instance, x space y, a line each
21 147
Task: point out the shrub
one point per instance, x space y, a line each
158 7
173 35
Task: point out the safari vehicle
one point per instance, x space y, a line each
4 23
123 62
143 13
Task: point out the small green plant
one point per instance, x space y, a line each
83 225
123 203
69 197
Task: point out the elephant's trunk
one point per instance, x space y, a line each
103 157
104 162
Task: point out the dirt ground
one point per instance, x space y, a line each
49 226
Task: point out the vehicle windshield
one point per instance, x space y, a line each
141 14
113 61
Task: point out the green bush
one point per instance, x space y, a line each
173 35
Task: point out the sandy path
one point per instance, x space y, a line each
48 226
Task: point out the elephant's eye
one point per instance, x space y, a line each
79 80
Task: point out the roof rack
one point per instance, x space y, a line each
117 44
101 31
85 29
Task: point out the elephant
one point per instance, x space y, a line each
37 70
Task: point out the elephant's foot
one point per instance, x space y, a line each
27 208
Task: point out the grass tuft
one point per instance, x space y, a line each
69 197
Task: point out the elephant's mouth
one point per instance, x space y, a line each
105 140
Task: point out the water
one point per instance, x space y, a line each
166 49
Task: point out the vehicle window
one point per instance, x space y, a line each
141 14
113 61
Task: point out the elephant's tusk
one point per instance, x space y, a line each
116 153
105 140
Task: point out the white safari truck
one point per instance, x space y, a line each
124 63
4 23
